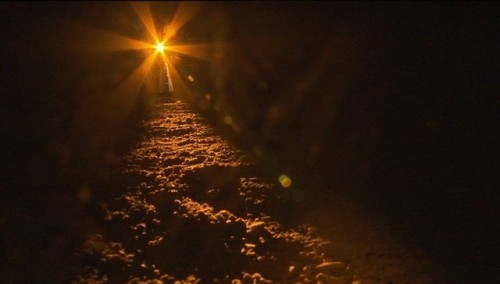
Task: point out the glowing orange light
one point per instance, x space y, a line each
160 47
154 44
285 181
228 120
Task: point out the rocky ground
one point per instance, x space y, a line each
188 206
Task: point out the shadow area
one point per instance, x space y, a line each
389 104
62 133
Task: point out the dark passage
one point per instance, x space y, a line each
393 105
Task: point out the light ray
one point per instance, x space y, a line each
109 42
94 40
144 12
177 80
131 87
97 41
185 12
199 51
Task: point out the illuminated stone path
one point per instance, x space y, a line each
187 206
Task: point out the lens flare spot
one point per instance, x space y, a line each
285 181
228 120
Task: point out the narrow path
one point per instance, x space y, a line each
187 206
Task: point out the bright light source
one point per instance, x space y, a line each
160 47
